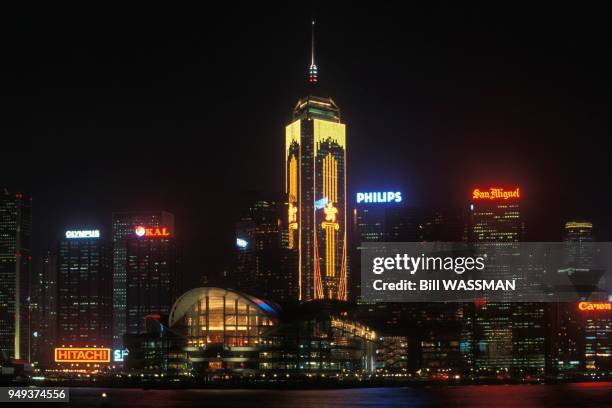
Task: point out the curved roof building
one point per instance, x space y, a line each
209 316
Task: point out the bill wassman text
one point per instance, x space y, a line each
447 284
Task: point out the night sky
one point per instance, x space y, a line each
126 108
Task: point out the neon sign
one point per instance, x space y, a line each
82 355
380 197
82 234
141 231
322 203
241 243
119 355
495 193
588 306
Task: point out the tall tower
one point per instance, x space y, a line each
315 174
84 290
15 267
124 225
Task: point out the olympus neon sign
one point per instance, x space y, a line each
380 197
71 234
160 232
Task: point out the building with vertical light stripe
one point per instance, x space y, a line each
315 172
15 268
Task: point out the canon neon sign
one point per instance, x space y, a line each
82 355
379 197
141 231
495 193
588 306
72 234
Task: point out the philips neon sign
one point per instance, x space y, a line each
71 234
379 197
160 232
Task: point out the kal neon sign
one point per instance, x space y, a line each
380 197
495 194
591 306
82 355
160 232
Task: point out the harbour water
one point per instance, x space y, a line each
583 395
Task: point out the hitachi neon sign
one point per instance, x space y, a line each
82 234
141 231
380 197
82 355
588 306
495 193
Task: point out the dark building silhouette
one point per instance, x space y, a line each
15 270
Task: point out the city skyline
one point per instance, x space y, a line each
216 233
513 124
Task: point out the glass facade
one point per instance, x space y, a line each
323 344
152 279
84 285
123 226
315 170
222 317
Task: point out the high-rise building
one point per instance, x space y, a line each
84 287
508 338
315 172
153 279
44 317
123 227
263 264
597 336
566 355
579 237
15 269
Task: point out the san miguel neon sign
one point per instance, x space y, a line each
82 355
495 194
593 306
153 232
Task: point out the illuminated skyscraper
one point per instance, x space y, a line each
124 224
315 172
84 287
15 267
579 236
152 275
509 337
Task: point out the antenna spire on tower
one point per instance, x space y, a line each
312 70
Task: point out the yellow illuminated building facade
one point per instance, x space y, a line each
315 173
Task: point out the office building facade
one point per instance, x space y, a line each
123 226
15 270
84 288
152 274
263 265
